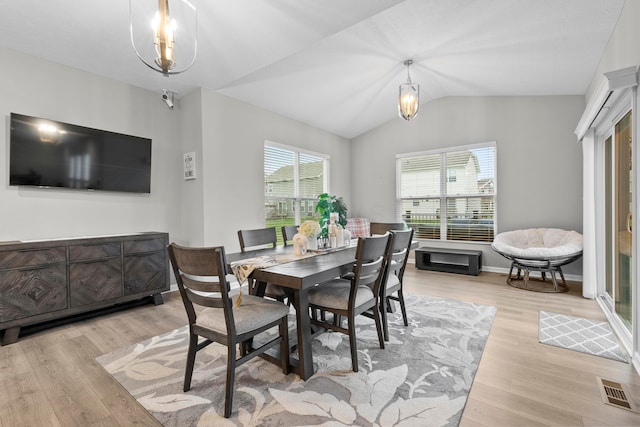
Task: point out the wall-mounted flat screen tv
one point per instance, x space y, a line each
48 153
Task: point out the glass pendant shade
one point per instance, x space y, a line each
164 34
409 97
409 100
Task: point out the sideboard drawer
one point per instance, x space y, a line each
31 257
94 251
143 245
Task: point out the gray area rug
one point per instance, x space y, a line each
422 378
583 335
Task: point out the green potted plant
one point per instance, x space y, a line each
328 204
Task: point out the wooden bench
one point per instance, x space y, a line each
449 260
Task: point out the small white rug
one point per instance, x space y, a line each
583 335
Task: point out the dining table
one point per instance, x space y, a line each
298 275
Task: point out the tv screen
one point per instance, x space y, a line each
48 153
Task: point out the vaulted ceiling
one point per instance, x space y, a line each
336 64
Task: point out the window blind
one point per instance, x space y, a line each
293 179
449 194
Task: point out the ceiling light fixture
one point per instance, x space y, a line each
171 40
409 98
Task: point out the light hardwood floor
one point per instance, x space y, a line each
51 378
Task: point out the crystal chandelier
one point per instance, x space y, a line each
169 44
409 98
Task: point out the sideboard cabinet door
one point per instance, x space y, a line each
145 266
31 291
95 281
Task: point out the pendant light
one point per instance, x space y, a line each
409 98
164 34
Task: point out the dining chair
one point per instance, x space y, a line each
383 227
256 239
288 231
355 293
397 255
200 274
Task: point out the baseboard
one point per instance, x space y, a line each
505 271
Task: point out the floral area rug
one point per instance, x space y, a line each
422 378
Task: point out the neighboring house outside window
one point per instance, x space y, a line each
293 179
449 194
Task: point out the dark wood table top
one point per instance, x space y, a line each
299 274
307 272
303 273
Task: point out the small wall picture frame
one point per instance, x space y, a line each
190 165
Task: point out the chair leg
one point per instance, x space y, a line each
284 345
402 307
337 320
376 317
231 373
191 360
352 343
383 313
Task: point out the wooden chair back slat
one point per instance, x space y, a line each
288 231
205 300
199 285
383 227
257 237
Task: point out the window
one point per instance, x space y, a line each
293 179
449 194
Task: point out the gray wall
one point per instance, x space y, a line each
539 162
35 87
227 136
623 49
233 136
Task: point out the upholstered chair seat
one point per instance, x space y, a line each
335 295
254 313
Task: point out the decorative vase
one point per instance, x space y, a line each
300 244
312 243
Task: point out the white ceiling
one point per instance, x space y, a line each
336 64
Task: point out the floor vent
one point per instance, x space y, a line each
616 394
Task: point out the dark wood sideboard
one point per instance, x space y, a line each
42 281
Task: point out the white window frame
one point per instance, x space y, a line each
444 180
296 162
603 130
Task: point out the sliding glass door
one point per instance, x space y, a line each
619 199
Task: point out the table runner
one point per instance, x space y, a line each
242 269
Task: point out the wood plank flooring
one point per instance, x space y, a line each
51 378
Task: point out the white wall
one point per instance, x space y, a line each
190 202
35 87
623 49
539 164
227 136
233 136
